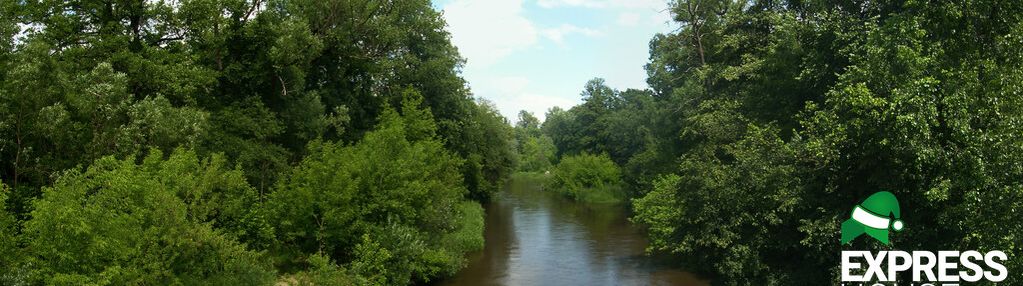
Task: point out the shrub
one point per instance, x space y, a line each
587 178
382 207
122 223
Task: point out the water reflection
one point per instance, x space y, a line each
537 238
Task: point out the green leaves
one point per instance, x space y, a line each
250 89
781 116
58 120
9 243
120 223
587 178
383 206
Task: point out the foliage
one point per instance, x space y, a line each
122 223
617 123
491 157
536 150
258 86
537 154
587 178
782 115
410 222
468 234
322 272
9 245
766 120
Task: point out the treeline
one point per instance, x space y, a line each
766 121
230 142
580 151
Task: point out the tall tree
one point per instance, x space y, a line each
798 109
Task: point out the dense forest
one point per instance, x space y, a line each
236 142
766 121
309 142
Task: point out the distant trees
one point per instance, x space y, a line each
536 151
616 123
537 154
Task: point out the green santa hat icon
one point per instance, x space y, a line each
872 217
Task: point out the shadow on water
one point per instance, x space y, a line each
534 237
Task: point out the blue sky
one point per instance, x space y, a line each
536 54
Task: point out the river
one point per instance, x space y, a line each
535 237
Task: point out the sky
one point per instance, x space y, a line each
536 54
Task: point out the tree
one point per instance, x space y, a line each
537 154
535 150
10 248
57 120
797 110
257 85
529 123
491 157
583 128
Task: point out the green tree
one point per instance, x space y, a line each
10 247
583 128
535 150
248 84
792 111
491 156
537 154
57 120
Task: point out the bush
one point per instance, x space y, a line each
321 272
122 223
384 207
588 178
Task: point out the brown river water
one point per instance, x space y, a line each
535 237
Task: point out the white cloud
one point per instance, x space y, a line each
490 34
487 31
633 12
509 84
557 35
570 3
535 103
655 4
629 19
514 93
602 3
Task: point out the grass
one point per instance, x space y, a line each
590 195
468 235
603 195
